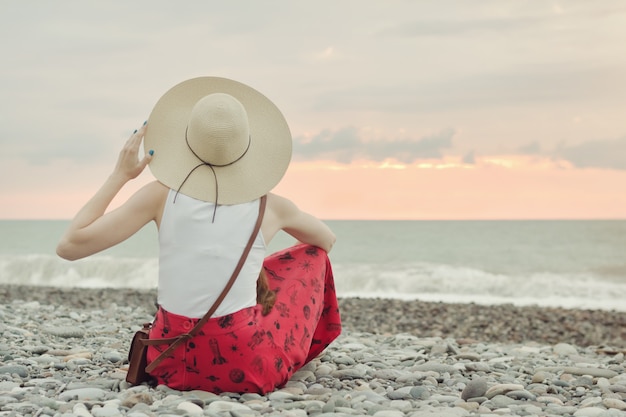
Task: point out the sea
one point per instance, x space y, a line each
570 263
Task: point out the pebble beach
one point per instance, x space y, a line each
63 353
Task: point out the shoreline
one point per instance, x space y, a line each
63 353
502 323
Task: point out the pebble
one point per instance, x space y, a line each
82 394
475 388
499 389
575 370
564 349
19 370
190 408
64 331
614 403
64 361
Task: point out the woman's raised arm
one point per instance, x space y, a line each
92 229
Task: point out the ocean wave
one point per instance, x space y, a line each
446 283
408 281
93 272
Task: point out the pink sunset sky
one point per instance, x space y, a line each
398 110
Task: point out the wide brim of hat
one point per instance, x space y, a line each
254 175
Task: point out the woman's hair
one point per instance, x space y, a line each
264 295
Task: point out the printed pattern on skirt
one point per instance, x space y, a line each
249 352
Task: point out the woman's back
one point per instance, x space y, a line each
198 255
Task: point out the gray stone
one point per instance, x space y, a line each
564 349
439 349
575 370
400 394
502 401
109 410
589 412
389 373
389 413
64 331
83 394
435 367
474 388
19 370
420 393
113 357
500 389
521 395
477 367
7 399
348 373
478 400
614 403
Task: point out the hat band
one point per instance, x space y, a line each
212 166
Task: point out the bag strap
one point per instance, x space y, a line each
174 342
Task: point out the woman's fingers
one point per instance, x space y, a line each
137 136
145 160
129 163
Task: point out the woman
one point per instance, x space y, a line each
216 147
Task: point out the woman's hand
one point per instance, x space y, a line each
129 166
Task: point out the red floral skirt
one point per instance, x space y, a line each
246 351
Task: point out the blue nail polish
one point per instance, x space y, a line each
144 123
135 131
151 152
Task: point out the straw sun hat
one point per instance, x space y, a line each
218 140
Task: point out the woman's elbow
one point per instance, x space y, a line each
330 242
66 251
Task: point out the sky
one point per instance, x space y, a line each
399 109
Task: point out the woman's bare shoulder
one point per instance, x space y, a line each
153 196
280 205
277 209
157 187
152 193
283 214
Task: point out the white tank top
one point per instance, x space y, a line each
197 257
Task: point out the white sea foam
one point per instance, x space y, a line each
445 283
94 272
407 281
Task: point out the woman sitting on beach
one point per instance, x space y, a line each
217 147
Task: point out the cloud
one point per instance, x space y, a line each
326 54
347 144
449 27
530 148
604 154
469 158
609 154
488 90
489 20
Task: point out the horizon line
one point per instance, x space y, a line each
394 219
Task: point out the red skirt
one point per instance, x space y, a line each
246 351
